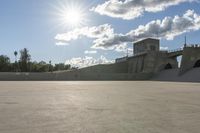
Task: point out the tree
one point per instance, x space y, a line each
50 66
25 58
15 64
15 53
61 66
43 66
4 63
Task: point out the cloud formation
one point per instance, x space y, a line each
131 9
164 48
86 61
105 38
90 32
90 52
60 43
168 28
123 48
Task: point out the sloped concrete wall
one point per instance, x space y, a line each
190 56
136 64
121 67
142 63
152 62
192 75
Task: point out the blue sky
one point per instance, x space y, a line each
34 24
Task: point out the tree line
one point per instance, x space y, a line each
24 64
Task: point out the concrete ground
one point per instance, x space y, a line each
99 107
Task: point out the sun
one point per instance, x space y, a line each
73 17
71 14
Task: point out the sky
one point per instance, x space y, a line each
88 32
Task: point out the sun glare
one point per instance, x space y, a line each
72 15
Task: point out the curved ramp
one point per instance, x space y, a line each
173 75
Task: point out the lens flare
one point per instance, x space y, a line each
72 15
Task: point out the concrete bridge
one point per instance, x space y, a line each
175 53
190 59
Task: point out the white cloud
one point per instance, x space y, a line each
90 52
123 48
90 32
164 48
168 28
105 38
61 43
88 61
131 9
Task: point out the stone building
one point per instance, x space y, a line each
148 58
146 45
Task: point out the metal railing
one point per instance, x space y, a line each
175 50
193 45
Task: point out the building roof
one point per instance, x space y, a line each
142 40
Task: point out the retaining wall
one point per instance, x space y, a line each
73 75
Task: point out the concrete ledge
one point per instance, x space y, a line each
73 75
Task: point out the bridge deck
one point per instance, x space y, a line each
175 53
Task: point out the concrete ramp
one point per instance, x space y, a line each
167 75
192 75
